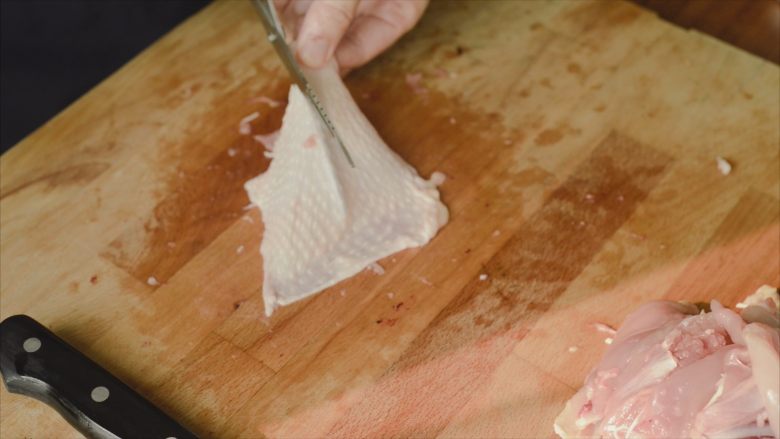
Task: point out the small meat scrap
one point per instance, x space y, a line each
724 166
265 100
268 140
244 126
438 178
603 327
376 268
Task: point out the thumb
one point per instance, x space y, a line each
324 25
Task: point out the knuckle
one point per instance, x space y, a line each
402 13
337 13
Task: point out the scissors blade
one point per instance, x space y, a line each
276 36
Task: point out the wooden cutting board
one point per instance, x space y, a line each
579 141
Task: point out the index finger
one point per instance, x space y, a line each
324 25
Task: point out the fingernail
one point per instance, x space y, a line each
314 52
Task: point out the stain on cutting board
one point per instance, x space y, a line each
72 175
746 242
423 125
201 204
389 103
471 336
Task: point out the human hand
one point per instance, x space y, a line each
352 31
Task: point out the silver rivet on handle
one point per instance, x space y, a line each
99 394
31 345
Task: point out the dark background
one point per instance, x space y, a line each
54 51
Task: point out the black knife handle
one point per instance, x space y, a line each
37 363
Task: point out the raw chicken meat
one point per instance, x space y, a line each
674 372
324 220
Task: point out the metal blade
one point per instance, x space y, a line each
276 36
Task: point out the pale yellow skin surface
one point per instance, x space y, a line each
325 219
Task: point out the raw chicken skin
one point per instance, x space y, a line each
674 373
324 220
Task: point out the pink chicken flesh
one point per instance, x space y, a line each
674 372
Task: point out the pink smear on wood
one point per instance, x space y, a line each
414 81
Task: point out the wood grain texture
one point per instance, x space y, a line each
752 25
579 142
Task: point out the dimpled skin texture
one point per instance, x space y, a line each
324 220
